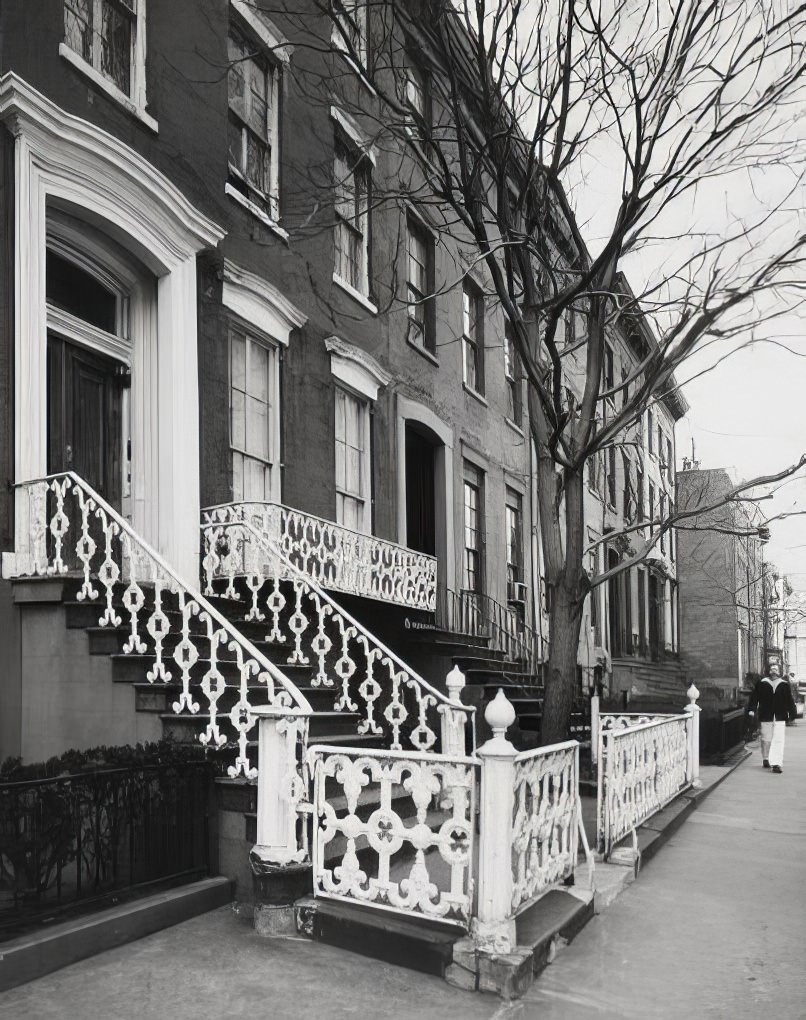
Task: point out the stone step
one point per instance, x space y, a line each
419 944
325 727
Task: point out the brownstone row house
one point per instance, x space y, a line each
202 306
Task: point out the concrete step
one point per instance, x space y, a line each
421 945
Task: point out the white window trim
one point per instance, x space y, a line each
350 127
137 109
265 29
348 288
260 304
274 461
255 210
136 103
356 369
365 496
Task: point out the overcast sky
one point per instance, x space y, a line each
749 413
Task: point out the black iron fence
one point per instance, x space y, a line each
72 838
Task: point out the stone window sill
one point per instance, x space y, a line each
255 210
356 295
88 71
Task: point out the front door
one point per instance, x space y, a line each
85 416
654 619
420 500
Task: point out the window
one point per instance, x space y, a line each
420 286
472 337
608 381
253 123
352 461
651 508
514 533
102 33
650 432
611 476
669 461
672 535
629 495
418 97
350 27
472 573
660 443
593 570
352 180
639 496
512 374
254 418
662 515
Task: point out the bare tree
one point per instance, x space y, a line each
500 114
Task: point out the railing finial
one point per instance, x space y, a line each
499 714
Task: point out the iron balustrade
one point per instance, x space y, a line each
392 701
546 820
68 840
404 826
338 558
642 768
64 526
478 615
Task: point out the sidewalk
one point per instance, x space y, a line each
708 930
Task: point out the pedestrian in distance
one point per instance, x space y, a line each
772 699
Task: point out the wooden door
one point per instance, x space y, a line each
420 496
84 416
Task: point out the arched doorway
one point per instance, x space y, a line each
425 486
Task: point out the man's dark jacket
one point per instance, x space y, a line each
772 704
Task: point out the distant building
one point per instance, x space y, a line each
720 568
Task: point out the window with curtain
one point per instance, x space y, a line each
352 461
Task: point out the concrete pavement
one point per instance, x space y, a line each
714 927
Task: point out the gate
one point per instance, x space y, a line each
395 830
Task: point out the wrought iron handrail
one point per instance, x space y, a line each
340 558
215 565
480 615
136 553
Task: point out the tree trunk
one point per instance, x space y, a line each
561 666
565 576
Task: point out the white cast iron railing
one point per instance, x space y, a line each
366 677
72 529
641 769
545 826
340 559
626 720
411 849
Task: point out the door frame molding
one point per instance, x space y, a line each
412 410
62 161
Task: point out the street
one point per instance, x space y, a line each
713 928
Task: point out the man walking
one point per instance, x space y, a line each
772 697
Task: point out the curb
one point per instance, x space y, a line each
34 955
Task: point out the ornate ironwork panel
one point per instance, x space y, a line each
545 822
641 769
338 558
392 702
395 831
186 642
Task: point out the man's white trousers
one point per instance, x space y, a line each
772 741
